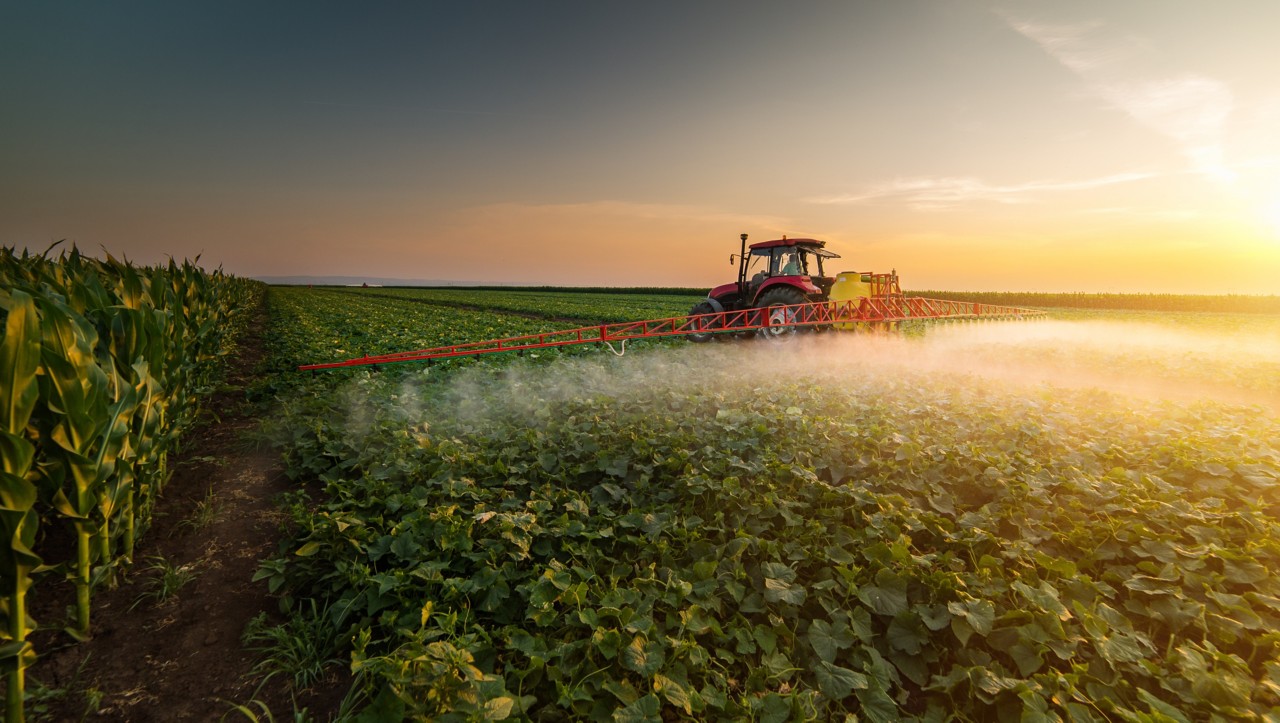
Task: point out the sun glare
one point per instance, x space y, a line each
1271 214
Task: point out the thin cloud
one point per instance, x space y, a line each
1191 109
930 194
1074 46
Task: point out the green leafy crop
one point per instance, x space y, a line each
728 534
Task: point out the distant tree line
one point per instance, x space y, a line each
1229 303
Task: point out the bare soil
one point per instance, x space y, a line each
183 659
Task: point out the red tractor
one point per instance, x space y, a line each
772 273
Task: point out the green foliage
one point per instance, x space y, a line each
577 543
257 711
41 698
166 580
204 514
322 325
103 366
19 394
301 650
597 307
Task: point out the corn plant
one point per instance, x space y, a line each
103 366
19 360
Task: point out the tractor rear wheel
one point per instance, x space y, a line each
703 307
779 319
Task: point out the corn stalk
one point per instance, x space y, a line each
19 361
76 390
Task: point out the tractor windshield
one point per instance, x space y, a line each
758 265
780 261
786 261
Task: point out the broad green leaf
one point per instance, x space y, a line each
840 556
498 708
875 705
675 693
884 601
19 360
775 709
1159 706
835 682
980 615
779 591
778 571
309 549
645 710
907 633
607 641
643 656
829 638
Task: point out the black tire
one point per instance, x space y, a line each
780 296
703 307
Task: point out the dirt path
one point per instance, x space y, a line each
182 659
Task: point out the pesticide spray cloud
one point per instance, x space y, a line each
1132 363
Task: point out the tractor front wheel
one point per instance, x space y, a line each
700 337
780 319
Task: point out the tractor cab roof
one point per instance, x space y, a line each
808 244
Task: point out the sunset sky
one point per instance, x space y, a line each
1058 146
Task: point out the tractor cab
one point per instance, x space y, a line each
795 262
785 270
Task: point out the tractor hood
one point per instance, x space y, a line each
723 290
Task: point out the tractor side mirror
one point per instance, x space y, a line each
731 258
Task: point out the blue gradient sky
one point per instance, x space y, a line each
970 145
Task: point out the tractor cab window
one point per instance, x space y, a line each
786 261
789 263
817 258
758 265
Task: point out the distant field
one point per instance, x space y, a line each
1232 303
523 298
585 306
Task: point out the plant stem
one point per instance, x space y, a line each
16 690
104 533
84 542
128 526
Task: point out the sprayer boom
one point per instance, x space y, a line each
866 313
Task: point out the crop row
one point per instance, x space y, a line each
585 307
103 367
325 325
720 532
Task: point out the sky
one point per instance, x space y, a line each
969 145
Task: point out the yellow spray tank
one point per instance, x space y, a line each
851 286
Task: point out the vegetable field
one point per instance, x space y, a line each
586 307
1064 520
